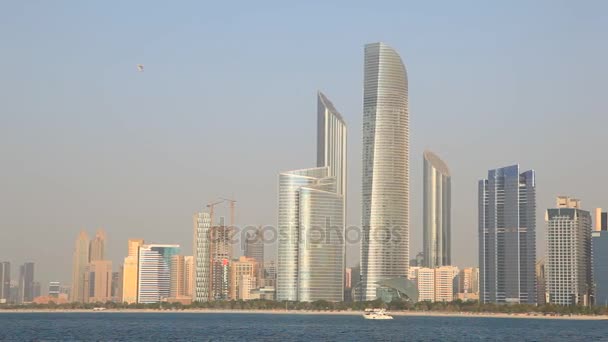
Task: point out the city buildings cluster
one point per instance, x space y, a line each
311 262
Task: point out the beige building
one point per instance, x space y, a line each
468 280
189 275
130 272
247 267
444 283
178 276
99 281
80 262
425 281
97 246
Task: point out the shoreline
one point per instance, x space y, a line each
311 312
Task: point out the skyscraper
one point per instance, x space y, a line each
202 257
385 174
568 269
311 251
541 283
178 276
600 266
507 236
97 246
254 245
99 280
243 275
189 276
437 209
5 282
130 271
26 283
154 283
80 262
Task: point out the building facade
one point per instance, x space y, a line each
202 257
54 289
600 266
437 212
80 262
130 271
507 236
97 247
242 273
385 173
26 283
569 264
99 280
154 283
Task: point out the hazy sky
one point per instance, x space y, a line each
228 99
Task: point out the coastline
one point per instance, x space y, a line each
311 312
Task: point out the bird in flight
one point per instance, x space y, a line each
140 67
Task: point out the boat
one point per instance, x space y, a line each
376 314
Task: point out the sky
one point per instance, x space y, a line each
228 100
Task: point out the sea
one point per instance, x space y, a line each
105 326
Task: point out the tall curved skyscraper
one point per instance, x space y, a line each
437 211
385 191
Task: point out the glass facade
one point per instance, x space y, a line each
437 209
507 236
385 173
202 257
155 272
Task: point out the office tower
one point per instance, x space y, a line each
117 283
54 289
243 274
189 276
202 257
178 276
507 236
26 283
437 211
385 174
5 282
541 284
221 255
568 269
311 251
130 271
97 246
254 245
311 244
98 280
80 261
600 266
154 283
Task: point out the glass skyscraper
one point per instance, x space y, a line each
437 210
155 272
311 251
385 174
507 236
202 257
5 281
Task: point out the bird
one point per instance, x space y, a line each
140 67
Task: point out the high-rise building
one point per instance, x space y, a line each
221 255
600 266
202 257
270 274
601 220
130 272
385 174
178 276
437 210
98 280
26 283
80 262
242 273
468 280
189 276
97 246
5 282
310 258
154 283
54 289
541 283
568 269
507 236
37 290
254 245
311 251
425 281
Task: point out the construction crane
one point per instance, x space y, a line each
211 205
232 210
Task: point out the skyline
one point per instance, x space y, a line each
67 168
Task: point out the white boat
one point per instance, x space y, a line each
376 314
